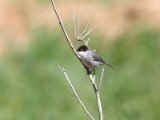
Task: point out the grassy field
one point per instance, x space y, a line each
32 87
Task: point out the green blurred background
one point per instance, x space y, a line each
32 44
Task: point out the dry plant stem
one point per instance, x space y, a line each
101 78
74 91
63 29
100 110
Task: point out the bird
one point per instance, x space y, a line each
90 59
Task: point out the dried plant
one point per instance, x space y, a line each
83 36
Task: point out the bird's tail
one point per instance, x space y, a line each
109 65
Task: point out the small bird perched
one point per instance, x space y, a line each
90 59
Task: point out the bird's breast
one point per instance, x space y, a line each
88 60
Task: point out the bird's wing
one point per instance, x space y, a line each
97 58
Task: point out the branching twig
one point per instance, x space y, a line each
86 31
74 91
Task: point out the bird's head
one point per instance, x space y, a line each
82 48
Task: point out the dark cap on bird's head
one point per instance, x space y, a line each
82 48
